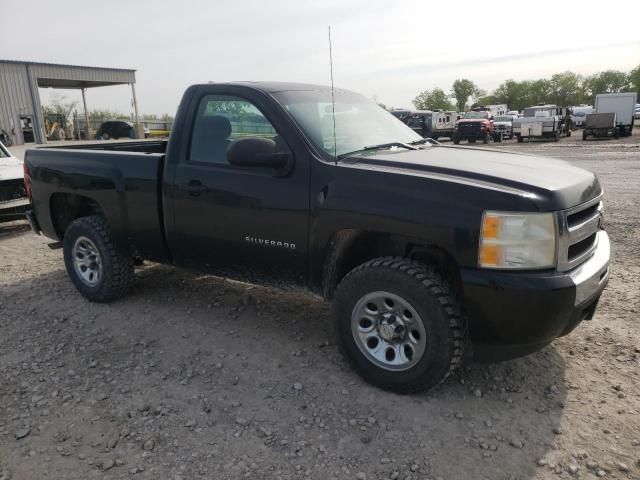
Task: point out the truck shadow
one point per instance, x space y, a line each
232 342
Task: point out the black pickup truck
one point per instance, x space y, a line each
427 252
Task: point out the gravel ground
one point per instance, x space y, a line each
194 377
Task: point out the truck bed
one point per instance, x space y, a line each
123 179
156 146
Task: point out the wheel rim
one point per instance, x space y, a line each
86 261
388 331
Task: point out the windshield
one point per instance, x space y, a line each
360 122
476 115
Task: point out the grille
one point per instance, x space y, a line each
12 190
578 233
470 127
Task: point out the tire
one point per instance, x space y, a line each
105 136
520 138
497 138
584 135
456 141
415 287
89 236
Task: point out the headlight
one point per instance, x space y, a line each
517 240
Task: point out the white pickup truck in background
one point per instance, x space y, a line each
13 197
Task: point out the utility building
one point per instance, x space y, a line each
20 109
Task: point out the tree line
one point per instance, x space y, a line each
564 89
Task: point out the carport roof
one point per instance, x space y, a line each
75 76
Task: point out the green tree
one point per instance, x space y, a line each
59 105
609 81
435 99
567 88
634 79
461 91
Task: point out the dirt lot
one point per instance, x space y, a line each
193 377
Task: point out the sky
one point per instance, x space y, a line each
390 50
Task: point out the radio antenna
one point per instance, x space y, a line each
333 102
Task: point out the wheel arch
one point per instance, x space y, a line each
349 248
67 207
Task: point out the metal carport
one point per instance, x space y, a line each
20 99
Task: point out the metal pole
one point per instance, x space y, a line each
136 119
86 114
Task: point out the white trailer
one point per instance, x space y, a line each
496 110
623 105
579 114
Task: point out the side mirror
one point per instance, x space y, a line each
257 152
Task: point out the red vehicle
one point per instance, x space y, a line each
476 125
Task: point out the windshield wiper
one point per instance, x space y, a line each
380 147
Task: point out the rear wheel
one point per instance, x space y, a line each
105 136
98 270
399 325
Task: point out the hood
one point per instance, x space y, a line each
551 184
10 168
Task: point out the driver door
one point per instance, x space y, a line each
231 219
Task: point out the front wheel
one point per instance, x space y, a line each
398 323
99 271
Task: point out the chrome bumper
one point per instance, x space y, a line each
592 275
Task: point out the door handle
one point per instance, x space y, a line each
195 188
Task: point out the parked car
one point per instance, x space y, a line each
13 197
424 250
623 105
118 129
474 126
504 126
637 112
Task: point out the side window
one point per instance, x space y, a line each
220 120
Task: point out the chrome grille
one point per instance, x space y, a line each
577 233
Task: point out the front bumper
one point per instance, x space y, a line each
515 313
